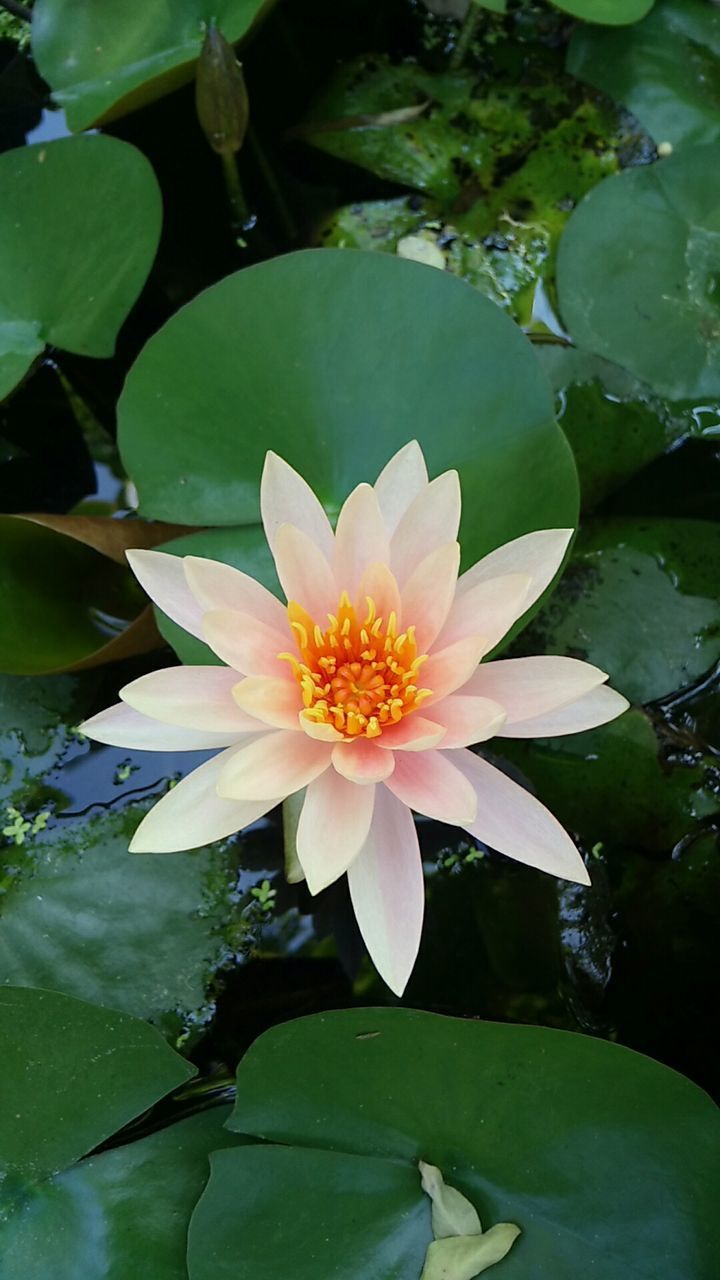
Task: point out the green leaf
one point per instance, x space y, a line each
509 1112
665 69
72 1075
67 604
640 599
123 1212
638 273
612 13
79 226
335 360
270 1211
103 60
614 422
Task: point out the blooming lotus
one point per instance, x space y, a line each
367 688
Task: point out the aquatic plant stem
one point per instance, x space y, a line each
470 24
271 182
241 218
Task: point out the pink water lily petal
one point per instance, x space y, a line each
378 584
428 594
192 697
512 821
278 763
539 554
219 586
429 783
162 576
285 495
431 520
528 687
122 726
305 573
318 729
361 538
489 608
271 699
193 814
248 645
412 733
388 891
449 669
362 761
399 483
468 719
592 709
333 827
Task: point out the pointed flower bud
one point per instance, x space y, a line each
221 98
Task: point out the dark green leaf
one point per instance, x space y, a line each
612 13
79 226
72 1075
639 269
336 359
666 69
102 60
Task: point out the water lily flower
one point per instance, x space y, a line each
367 688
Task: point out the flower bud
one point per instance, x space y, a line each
221 98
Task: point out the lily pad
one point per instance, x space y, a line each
79 226
335 359
503 1111
102 61
640 599
638 270
124 1211
72 1075
665 69
611 13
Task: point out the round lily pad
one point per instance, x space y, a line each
335 359
103 60
638 273
611 13
509 1114
79 227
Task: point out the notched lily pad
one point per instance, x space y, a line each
638 271
79 226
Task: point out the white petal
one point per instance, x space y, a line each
429 783
247 645
592 709
428 595
528 687
162 576
378 584
305 573
431 520
412 733
193 814
220 586
489 608
361 539
286 497
512 821
278 763
468 719
400 481
122 726
362 762
539 554
388 891
448 669
333 827
271 699
193 697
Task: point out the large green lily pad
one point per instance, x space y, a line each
79 226
665 69
335 359
641 599
508 1113
638 270
73 1074
123 1212
103 60
611 13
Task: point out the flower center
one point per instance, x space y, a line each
359 676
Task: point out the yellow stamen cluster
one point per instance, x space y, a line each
359 677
